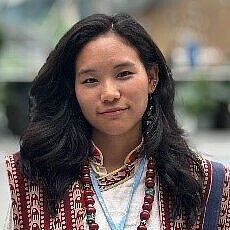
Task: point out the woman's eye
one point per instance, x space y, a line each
90 80
124 74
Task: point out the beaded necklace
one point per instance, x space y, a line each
147 201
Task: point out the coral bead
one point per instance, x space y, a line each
88 192
144 215
93 226
149 183
141 227
85 170
90 210
150 173
150 165
89 200
86 178
147 206
149 199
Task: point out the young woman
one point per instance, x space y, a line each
103 149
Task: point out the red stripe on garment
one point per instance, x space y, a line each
24 222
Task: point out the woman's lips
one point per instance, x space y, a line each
114 112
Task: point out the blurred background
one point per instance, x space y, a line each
194 36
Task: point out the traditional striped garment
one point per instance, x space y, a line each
30 211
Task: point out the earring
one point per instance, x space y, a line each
150 111
154 83
153 86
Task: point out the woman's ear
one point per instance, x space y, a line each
153 78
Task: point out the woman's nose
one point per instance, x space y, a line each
110 92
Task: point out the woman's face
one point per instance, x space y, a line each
112 85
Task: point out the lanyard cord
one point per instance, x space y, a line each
100 198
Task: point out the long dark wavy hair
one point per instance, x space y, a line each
58 138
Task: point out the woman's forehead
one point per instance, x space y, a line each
109 47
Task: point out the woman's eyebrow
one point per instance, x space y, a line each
119 65
124 64
85 71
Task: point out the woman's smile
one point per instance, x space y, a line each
113 113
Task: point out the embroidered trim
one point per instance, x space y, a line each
119 176
97 155
116 178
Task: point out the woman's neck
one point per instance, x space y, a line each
116 148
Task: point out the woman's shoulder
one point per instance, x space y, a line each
210 164
216 191
4 193
14 175
6 161
224 179
11 157
215 174
216 170
10 162
3 166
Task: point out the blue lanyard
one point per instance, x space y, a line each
109 219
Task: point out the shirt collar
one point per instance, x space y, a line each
97 158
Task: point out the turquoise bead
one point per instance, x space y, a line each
150 191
